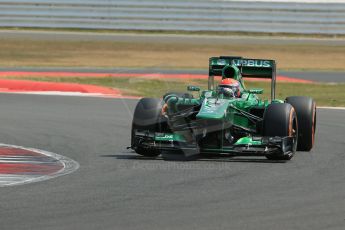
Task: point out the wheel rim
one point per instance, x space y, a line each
294 135
293 130
313 125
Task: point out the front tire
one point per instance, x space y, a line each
280 120
306 115
146 117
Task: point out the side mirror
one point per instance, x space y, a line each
255 91
193 88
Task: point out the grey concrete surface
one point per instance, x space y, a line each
116 189
321 76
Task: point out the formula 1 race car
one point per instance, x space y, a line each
228 119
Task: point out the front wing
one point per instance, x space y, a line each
246 146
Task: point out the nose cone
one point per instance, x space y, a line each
213 108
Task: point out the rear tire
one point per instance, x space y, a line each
147 115
280 120
306 115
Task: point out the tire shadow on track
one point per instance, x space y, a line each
221 159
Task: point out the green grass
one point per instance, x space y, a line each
141 52
324 94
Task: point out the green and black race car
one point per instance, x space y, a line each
180 126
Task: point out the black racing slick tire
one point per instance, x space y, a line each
146 117
280 120
306 115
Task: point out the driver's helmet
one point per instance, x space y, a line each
230 87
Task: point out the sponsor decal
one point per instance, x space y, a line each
252 63
164 137
244 62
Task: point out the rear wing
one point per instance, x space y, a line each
252 68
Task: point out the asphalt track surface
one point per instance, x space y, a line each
116 189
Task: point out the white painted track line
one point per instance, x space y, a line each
69 166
